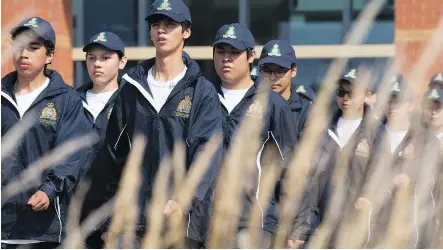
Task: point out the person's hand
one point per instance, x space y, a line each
172 207
295 244
104 236
39 201
401 179
361 203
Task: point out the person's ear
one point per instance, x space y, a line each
122 63
294 71
187 33
251 57
49 57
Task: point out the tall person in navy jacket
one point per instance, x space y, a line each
167 100
277 67
105 57
37 215
233 55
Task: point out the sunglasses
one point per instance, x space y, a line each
343 93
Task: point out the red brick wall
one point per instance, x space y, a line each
58 13
415 23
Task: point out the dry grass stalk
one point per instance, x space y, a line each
400 225
236 169
318 121
267 188
429 55
156 217
185 193
178 165
12 139
92 221
74 238
125 215
56 156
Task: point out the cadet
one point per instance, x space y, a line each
233 55
277 67
168 100
346 145
105 57
37 216
400 147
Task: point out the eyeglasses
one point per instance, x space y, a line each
343 93
268 72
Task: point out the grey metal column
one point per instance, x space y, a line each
347 17
346 21
142 38
79 40
244 9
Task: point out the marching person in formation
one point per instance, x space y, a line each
105 57
37 216
167 100
404 152
277 67
343 154
233 56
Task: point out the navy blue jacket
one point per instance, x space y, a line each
414 156
277 133
191 114
330 158
300 109
60 118
98 124
94 198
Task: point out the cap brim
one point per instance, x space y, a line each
402 95
89 45
233 43
280 61
17 29
169 14
346 79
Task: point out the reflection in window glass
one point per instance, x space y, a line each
119 17
208 16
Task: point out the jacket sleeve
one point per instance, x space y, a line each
283 132
115 150
306 219
206 122
303 119
62 178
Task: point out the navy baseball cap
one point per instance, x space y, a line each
350 76
174 9
400 88
437 81
278 52
306 92
434 95
236 35
108 40
39 25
